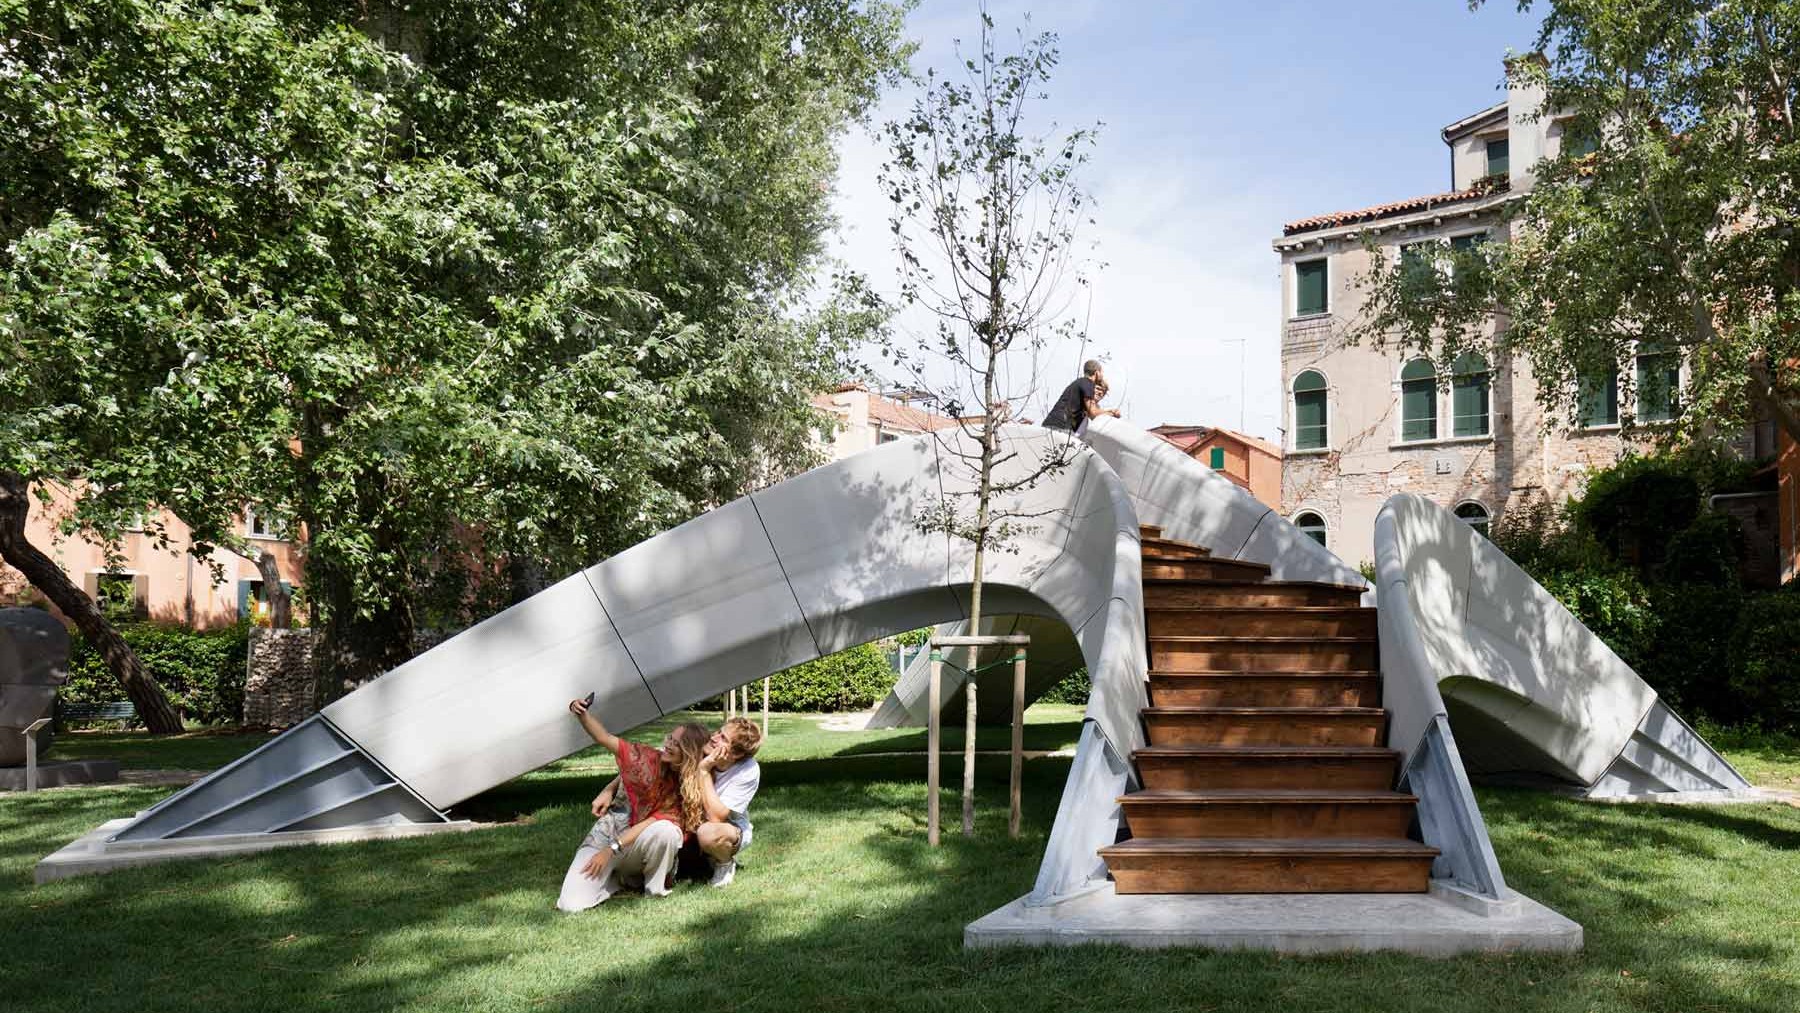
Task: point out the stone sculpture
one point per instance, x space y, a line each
34 663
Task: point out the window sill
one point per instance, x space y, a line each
1610 427
265 538
1311 452
1441 441
1309 318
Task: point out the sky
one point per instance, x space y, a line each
1220 121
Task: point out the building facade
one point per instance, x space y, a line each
1253 465
863 419
1364 423
165 585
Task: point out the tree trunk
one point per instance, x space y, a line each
281 604
140 686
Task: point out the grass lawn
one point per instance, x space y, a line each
841 906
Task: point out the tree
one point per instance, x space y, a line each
1666 225
985 219
461 292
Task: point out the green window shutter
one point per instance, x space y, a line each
1310 295
1418 401
1658 386
243 598
1469 396
1466 243
1216 459
1309 421
1599 399
1499 158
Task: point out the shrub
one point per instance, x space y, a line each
1072 689
848 680
1764 661
202 671
1614 605
1687 660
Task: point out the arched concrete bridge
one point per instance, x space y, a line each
833 558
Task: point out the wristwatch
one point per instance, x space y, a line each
615 847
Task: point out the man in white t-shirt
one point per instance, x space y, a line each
731 757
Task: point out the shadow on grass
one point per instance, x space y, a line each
841 906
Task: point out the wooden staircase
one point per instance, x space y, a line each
1268 769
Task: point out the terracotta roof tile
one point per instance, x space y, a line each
1482 188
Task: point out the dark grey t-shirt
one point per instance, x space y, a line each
1070 410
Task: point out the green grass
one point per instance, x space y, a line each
841 906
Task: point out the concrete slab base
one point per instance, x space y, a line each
61 775
1436 924
1735 796
93 853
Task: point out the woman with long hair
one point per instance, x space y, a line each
637 841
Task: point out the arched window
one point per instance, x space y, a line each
1469 395
1310 432
1658 383
1474 515
1418 401
1311 525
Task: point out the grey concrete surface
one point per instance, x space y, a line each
1425 924
95 851
65 774
34 662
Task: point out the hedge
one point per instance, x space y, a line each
203 672
849 680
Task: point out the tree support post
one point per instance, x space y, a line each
1018 742
933 734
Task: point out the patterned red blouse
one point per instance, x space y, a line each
651 788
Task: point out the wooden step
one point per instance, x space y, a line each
1214 865
1149 531
1265 726
1196 768
1176 593
1166 568
1265 689
1264 813
1263 654
1260 621
1168 548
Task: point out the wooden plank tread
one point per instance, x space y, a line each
1293 712
1269 752
1264 610
1362 674
1257 584
1349 795
1183 639
1273 847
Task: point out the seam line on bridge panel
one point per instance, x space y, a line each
789 581
610 621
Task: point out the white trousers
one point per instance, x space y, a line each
647 862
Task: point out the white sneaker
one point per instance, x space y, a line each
723 873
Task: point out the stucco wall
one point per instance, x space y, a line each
167 576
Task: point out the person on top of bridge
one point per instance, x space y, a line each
1080 400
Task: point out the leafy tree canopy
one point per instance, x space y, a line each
1675 232
527 277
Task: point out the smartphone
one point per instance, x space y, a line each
588 701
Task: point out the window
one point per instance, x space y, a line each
1658 384
1469 383
1416 260
1578 142
887 437
1467 242
1310 296
1418 401
1498 157
1474 515
1311 525
1309 411
122 597
257 526
1597 400
1215 459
